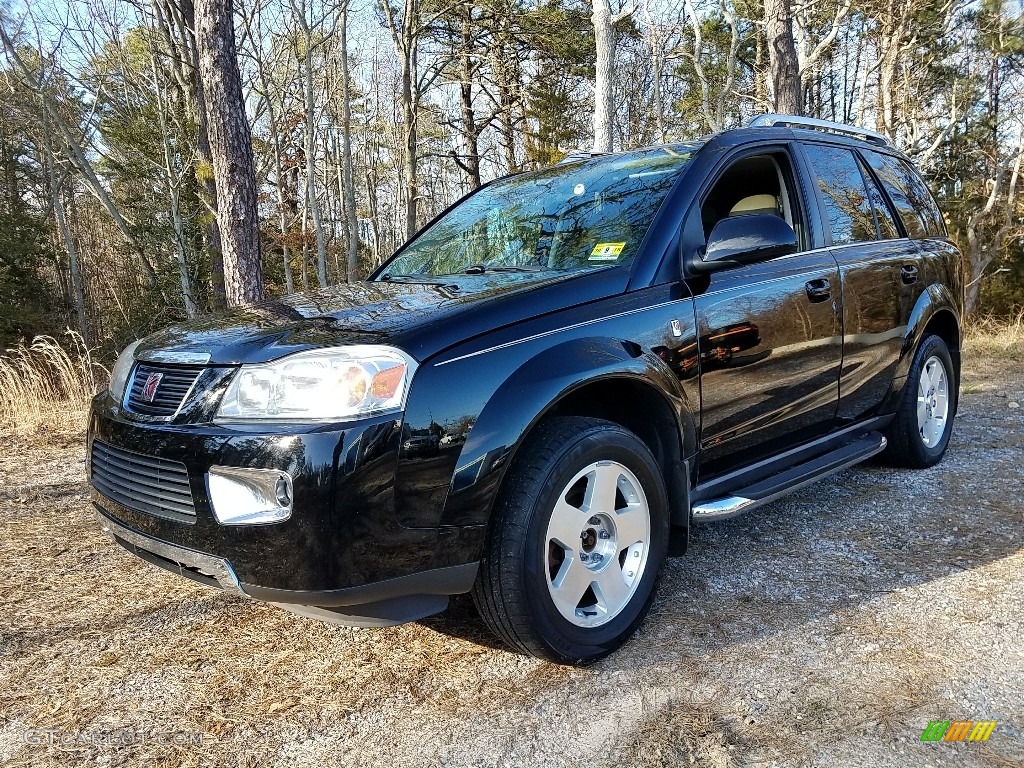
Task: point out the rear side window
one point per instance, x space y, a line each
844 194
908 192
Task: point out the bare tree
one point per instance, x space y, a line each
348 183
604 22
231 151
305 53
404 25
785 67
713 100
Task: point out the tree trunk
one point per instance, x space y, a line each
174 180
410 158
310 149
204 172
604 97
405 32
286 259
371 203
656 44
57 200
305 232
470 162
782 57
280 182
231 151
760 81
349 196
505 77
76 274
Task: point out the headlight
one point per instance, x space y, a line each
321 385
120 371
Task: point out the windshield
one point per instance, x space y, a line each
568 217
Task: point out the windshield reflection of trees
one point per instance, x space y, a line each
537 223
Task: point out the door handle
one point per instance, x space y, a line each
908 273
818 290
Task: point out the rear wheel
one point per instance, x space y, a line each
919 435
579 533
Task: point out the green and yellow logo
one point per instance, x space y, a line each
958 730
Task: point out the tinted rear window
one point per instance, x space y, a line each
843 191
886 223
908 192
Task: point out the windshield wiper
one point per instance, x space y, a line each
479 269
417 280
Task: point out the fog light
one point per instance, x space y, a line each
243 496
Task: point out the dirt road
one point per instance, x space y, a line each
827 629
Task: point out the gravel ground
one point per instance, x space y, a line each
825 630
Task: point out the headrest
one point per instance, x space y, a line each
756 204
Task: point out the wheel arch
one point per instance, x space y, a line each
934 313
596 377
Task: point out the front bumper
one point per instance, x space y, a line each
343 546
386 603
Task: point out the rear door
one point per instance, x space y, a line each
769 334
880 273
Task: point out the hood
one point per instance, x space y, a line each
420 318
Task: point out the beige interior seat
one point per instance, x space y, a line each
756 204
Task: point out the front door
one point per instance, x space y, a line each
769 334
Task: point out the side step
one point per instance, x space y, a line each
790 480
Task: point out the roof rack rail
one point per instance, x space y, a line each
793 121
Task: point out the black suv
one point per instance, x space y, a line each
555 374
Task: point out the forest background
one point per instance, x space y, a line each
356 121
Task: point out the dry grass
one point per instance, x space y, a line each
684 731
996 337
751 657
46 385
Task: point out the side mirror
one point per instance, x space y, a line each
738 240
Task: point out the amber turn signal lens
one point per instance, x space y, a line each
386 382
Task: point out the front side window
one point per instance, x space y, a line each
908 192
844 194
760 183
574 216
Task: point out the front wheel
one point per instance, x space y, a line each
919 435
579 534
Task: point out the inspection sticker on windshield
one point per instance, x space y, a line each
606 252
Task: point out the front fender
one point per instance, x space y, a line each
529 393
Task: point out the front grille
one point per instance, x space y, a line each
175 383
143 483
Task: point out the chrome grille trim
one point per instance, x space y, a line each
174 388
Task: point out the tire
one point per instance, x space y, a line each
549 542
919 435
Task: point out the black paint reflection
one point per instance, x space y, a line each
770 359
718 349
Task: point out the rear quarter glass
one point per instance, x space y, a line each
909 193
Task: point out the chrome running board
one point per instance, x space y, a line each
792 479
